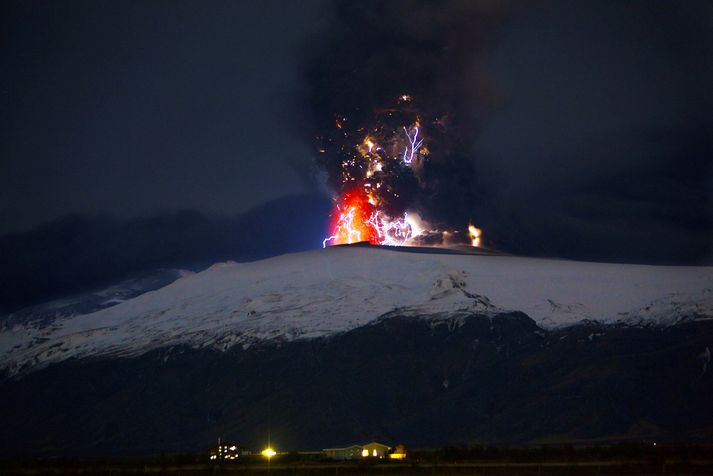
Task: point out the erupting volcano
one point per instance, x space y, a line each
394 108
356 218
376 169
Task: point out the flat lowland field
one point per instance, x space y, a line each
134 466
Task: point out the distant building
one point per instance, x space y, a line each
348 452
225 451
398 453
375 450
369 450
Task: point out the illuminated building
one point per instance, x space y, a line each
369 450
225 451
376 450
398 453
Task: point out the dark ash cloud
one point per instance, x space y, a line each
601 146
370 54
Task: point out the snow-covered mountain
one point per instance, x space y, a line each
45 314
327 292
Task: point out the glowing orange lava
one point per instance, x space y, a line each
350 220
475 235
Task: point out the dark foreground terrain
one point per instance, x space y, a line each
623 460
422 383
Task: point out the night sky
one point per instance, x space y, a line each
145 134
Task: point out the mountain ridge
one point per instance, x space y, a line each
326 292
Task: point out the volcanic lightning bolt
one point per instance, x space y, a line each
415 146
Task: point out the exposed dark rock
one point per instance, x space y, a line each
402 379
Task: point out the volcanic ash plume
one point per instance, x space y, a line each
394 90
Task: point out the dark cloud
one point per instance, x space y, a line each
601 146
81 252
132 108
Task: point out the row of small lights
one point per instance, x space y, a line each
267 452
